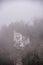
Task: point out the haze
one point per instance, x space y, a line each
13 11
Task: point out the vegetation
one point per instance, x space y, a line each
32 59
9 53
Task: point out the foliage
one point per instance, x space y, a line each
31 59
35 33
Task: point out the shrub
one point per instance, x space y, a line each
31 59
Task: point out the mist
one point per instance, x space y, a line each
12 11
21 32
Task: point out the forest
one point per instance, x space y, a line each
31 53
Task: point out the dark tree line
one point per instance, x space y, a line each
8 53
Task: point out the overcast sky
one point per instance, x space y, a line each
20 10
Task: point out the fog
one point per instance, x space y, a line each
11 11
21 32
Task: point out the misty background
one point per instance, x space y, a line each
21 32
12 11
